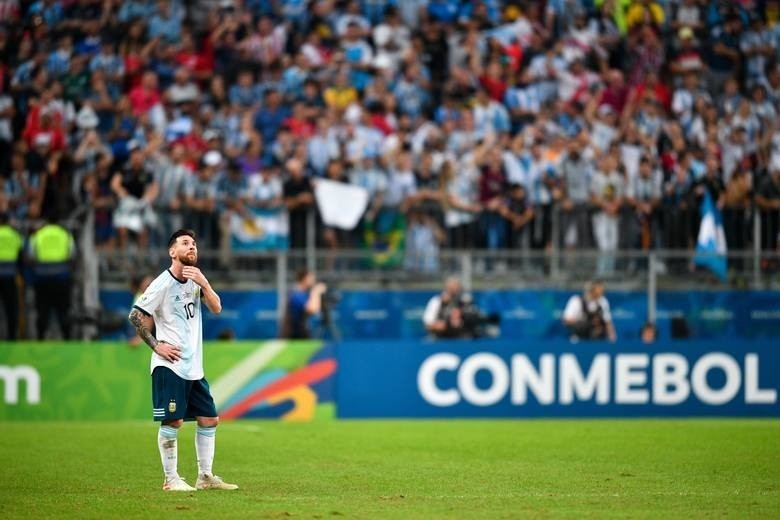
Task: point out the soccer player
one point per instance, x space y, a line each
171 306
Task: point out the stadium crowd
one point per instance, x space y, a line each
471 124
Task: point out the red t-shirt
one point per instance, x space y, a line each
495 88
491 184
380 123
143 100
661 93
300 127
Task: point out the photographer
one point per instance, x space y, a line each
453 315
304 301
587 315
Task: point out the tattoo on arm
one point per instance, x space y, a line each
139 321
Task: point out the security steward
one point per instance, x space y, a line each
11 245
51 251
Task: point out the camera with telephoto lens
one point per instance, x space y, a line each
593 326
328 301
473 323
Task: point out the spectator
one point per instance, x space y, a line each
688 14
200 198
232 190
146 97
367 174
684 99
607 189
164 23
334 238
22 192
646 55
401 183
423 238
768 201
460 200
492 184
183 90
171 175
358 55
265 190
136 189
687 58
7 112
645 13
269 118
58 62
576 172
676 208
341 79
756 44
519 213
244 93
542 185
97 186
410 92
112 66
724 56
736 204
644 195
341 94
299 200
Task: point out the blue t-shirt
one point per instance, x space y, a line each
296 314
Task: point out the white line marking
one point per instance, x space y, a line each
244 371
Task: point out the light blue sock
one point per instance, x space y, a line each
169 453
205 438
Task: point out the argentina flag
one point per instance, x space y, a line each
711 243
260 230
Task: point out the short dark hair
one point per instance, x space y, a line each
302 273
180 233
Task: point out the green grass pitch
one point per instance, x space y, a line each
402 469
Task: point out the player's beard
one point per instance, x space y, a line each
188 260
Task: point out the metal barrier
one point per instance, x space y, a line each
555 266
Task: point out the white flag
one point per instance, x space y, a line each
341 205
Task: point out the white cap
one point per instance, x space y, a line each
87 119
353 113
210 134
383 61
42 139
382 35
774 164
212 158
605 110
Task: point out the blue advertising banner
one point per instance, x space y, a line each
557 379
529 314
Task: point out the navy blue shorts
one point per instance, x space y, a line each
177 398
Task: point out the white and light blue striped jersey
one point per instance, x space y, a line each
175 307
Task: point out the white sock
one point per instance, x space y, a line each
166 440
204 447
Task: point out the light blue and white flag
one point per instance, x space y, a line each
711 243
262 230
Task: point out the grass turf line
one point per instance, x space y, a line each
402 469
